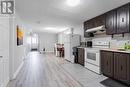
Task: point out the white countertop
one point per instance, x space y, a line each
110 49
116 50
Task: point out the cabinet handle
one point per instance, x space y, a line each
107 63
121 68
123 20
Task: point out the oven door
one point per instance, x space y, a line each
93 58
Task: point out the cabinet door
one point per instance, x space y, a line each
85 28
121 67
88 25
111 22
123 19
81 56
107 63
99 20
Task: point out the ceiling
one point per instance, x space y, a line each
39 14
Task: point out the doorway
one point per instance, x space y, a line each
34 42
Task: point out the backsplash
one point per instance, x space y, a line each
116 42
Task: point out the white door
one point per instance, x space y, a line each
4 51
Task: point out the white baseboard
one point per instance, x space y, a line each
18 70
5 83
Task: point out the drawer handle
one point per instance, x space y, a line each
107 63
121 68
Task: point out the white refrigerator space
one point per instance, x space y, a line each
75 40
67 51
70 42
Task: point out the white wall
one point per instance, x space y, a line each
61 38
17 53
47 41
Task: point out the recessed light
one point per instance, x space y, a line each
73 3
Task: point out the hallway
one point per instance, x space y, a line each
43 71
46 70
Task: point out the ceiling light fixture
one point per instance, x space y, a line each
50 28
73 3
54 29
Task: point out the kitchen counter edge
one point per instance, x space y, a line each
115 50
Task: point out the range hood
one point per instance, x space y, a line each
96 29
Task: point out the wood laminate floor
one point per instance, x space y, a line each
46 70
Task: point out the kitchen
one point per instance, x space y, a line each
106 46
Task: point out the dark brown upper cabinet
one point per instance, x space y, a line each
117 21
87 25
99 20
94 22
123 24
111 22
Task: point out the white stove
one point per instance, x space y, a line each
92 56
